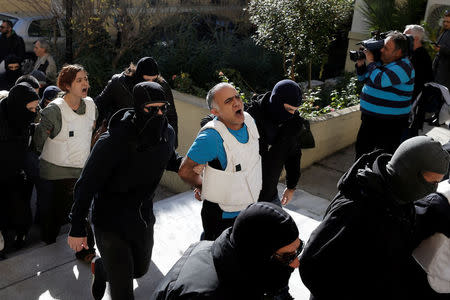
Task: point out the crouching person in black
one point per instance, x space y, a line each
121 174
253 259
363 247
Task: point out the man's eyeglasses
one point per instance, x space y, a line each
154 109
2 27
288 258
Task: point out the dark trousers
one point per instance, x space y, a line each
377 133
55 198
15 210
124 257
213 223
32 175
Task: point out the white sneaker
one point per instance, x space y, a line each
2 242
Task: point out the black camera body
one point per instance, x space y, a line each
374 45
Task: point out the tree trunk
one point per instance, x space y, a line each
309 74
293 68
69 31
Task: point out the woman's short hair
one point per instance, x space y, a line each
67 76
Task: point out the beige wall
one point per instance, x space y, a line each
190 111
332 132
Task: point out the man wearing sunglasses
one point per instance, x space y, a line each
228 146
10 42
363 247
253 259
121 175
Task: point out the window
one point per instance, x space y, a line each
44 28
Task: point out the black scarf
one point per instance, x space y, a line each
18 116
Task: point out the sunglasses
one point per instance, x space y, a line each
153 110
288 258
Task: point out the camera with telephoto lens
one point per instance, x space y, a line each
374 45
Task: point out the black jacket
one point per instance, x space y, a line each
211 270
13 146
122 179
12 45
118 94
279 147
180 282
363 246
424 73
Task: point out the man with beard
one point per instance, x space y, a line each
121 175
363 246
12 72
10 42
228 145
251 260
17 111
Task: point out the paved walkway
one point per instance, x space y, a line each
51 272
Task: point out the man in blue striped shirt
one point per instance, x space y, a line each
385 100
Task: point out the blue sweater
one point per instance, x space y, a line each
388 89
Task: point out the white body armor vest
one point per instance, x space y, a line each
71 147
433 254
240 183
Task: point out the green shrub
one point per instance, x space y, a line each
345 94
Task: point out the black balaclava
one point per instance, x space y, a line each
146 66
11 76
150 126
285 91
50 93
18 116
244 254
410 160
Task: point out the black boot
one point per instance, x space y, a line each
99 278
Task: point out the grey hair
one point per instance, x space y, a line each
416 31
44 44
212 92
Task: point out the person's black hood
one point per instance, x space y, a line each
398 177
243 253
146 66
17 115
413 157
122 125
285 91
270 128
10 75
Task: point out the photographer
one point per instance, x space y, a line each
385 99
